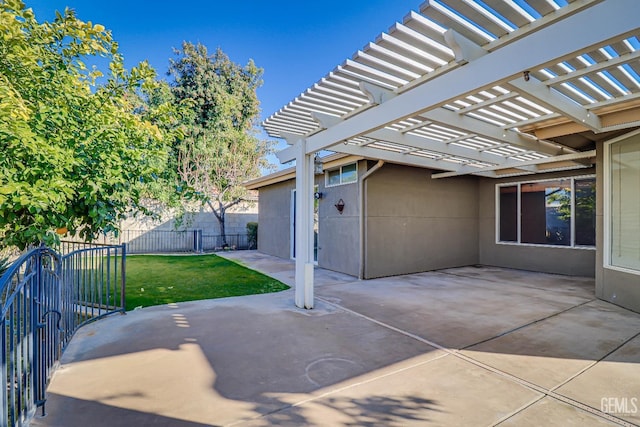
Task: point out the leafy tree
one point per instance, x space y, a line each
74 153
220 149
157 105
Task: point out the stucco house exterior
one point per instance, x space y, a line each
486 133
398 220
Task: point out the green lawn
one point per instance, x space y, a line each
157 279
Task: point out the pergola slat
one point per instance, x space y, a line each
487 120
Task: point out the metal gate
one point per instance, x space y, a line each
44 298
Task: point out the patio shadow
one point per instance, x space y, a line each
96 414
362 412
361 357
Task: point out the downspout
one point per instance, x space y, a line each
362 223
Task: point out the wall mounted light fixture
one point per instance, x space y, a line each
340 206
317 195
318 168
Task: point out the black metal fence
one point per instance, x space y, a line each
44 298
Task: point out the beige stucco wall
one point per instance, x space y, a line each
337 233
549 259
415 223
615 286
338 236
274 219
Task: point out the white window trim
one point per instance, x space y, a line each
518 184
326 175
607 205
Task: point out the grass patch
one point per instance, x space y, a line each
159 279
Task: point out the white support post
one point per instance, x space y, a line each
304 227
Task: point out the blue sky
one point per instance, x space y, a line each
295 42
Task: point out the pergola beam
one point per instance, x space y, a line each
554 101
441 147
587 28
395 157
524 165
468 124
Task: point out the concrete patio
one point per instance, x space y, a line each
464 346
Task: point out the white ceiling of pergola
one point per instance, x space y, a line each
486 116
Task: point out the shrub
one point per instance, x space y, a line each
252 235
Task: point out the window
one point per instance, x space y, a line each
509 214
623 203
545 209
343 175
558 212
585 212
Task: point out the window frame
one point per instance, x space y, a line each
341 174
518 185
607 183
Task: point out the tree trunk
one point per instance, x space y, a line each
223 232
219 213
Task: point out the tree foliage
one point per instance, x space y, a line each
220 150
74 152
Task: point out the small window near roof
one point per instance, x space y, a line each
343 175
333 177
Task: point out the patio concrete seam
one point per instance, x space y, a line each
500 372
595 362
520 409
590 410
529 324
522 382
453 352
552 393
385 325
544 391
340 389
482 279
388 374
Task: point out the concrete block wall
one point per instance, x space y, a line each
236 220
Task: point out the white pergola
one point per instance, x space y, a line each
492 88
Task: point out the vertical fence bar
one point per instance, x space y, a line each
4 415
123 271
44 299
37 333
